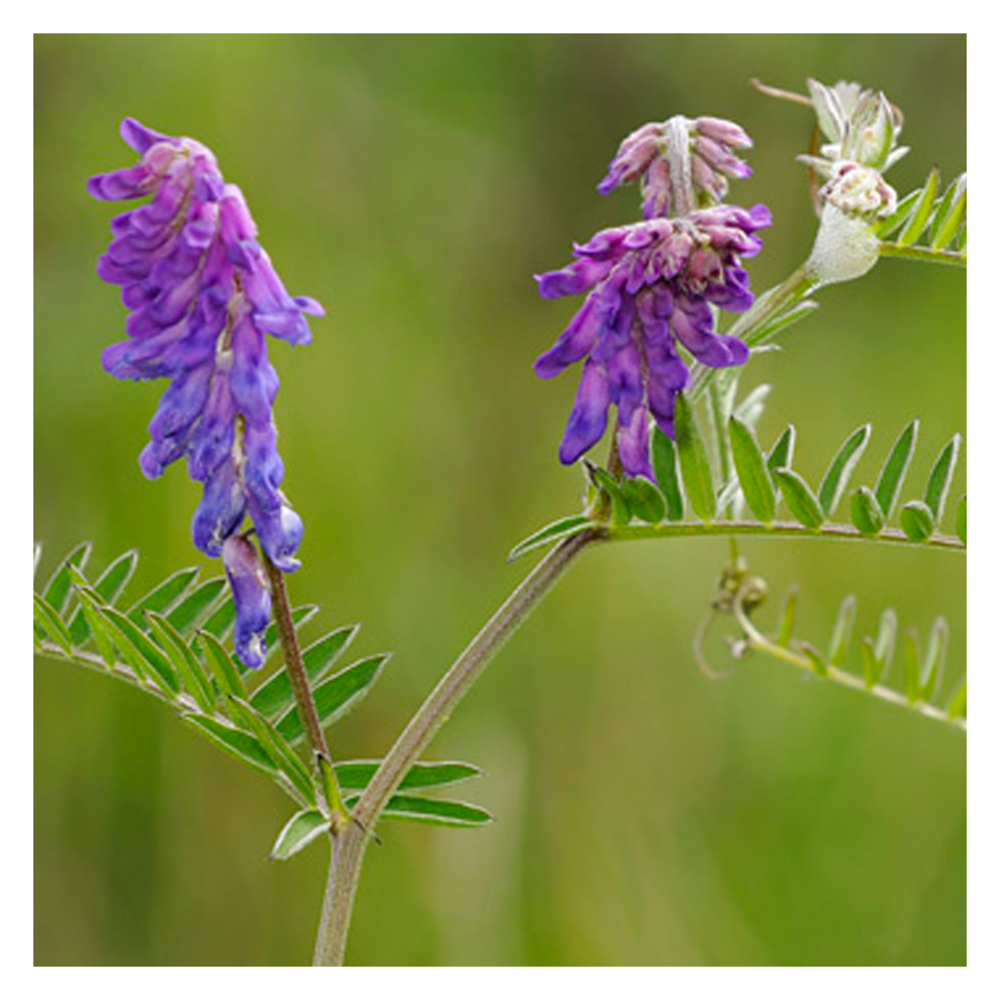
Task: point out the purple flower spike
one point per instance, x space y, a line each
651 287
252 598
203 295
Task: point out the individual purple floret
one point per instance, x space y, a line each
202 294
652 285
643 156
252 598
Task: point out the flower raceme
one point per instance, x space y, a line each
202 294
651 286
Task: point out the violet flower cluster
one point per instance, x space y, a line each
652 288
202 295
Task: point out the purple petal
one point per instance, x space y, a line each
252 598
589 417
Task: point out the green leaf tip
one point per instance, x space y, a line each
752 472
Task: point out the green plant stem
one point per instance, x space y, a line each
349 847
923 254
762 644
673 529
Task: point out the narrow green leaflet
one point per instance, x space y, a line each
665 467
898 461
438 812
275 695
163 596
950 215
193 610
815 660
336 696
801 500
866 514
696 470
932 670
911 667
781 455
960 523
108 587
839 473
57 590
239 744
872 666
281 754
903 210
551 533
329 785
90 604
222 666
272 637
47 618
939 481
354 775
752 406
751 468
916 520
184 662
139 651
957 704
219 622
644 500
786 627
620 513
843 629
885 640
299 832
783 321
921 211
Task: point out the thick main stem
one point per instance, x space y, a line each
349 848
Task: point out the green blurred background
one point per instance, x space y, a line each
646 815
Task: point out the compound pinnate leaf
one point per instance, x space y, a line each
751 469
839 473
299 832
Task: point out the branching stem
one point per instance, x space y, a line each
348 851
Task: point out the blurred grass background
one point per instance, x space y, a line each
645 814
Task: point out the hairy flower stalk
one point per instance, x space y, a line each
202 295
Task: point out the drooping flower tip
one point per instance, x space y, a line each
203 295
651 288
251 597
